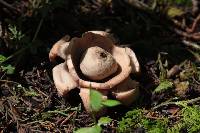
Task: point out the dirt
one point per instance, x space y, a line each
28 98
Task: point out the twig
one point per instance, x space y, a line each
63 122
180 103
1 29
37 131
194 36
138 4
191 44
8 81
57 112
197 82
38 28
153 117
196 55
186 32
8 6
179 24
173 71
194 25
41 92
195 6
191 101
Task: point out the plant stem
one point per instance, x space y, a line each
192 45
179 103
38 29
94 118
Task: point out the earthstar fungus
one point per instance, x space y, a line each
94 61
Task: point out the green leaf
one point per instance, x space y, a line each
2 58
104 121
15 33
9 69
96 100
163 86
111 103
95 129
173 12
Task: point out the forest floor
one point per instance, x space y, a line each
167 51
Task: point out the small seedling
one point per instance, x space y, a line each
2 58
163 86
15 34
98 103
8 68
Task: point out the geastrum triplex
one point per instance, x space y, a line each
94 61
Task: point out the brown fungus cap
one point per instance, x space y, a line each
127 91
79 45
63 79
69 75
60 48
97 64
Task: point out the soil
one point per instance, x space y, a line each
28 98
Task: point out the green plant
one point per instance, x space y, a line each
130 121
94 129
7 68
190 120
97 127
162 66
155 126
2 58
98 103
163 86
174 12
15 34
136 119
